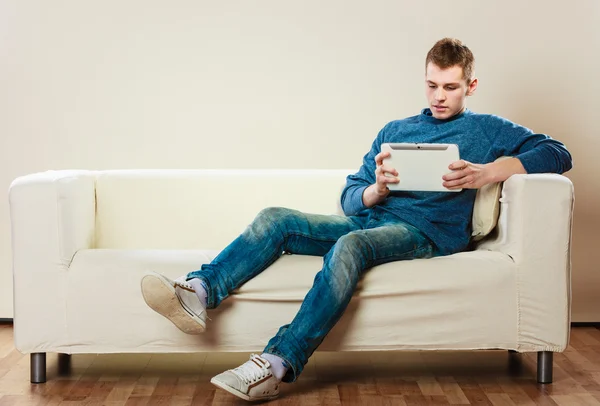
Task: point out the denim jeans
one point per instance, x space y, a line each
349 245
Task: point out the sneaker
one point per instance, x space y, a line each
176 300
251 381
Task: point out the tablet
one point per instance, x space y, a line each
420 166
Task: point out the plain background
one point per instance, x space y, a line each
283 84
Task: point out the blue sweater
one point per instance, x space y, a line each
446 217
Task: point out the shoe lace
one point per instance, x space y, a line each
181 281
250 371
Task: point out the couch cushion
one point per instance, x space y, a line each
486 209
466 300
168 209
173 209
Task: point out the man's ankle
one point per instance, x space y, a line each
200 289
278 365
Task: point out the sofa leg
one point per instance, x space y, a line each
38 367
544 366
64 364
515 363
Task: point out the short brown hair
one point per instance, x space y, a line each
450 52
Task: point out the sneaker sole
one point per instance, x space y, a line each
239 394
160 295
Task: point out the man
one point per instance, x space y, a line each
380 226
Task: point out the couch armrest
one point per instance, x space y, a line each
52 217
534 228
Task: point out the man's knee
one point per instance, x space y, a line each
271 219
348 258
273 214
354 245
276 215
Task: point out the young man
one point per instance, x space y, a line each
380 226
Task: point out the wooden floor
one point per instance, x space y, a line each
364 378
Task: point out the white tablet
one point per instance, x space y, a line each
421 166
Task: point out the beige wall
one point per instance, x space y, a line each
287 84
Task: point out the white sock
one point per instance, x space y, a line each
278 365
200 289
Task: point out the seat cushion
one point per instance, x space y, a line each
463 301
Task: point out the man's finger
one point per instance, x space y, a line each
380 157
387 169
454 175
387 179
454 183
458 165
468 182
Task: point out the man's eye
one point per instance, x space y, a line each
432 86
451 88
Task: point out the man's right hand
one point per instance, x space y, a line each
377 192
384 174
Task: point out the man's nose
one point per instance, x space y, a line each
440 94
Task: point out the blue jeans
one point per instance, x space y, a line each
349 245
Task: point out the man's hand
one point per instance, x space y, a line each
467 175
381 180
378 191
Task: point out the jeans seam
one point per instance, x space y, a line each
270 262
297 234
404 255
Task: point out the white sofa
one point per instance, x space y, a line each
83 239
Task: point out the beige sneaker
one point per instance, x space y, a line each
176 300
251 381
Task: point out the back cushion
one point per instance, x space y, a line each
202 209
487 208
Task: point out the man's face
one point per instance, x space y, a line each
447 90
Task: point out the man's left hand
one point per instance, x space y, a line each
466 175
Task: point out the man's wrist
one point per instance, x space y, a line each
373 195
492 174
382 193
499 171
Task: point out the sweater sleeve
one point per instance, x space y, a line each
352 201
537 152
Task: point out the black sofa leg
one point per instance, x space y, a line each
64 364
544 366
38 367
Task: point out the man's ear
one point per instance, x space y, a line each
472 87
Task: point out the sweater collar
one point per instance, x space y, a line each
428 117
